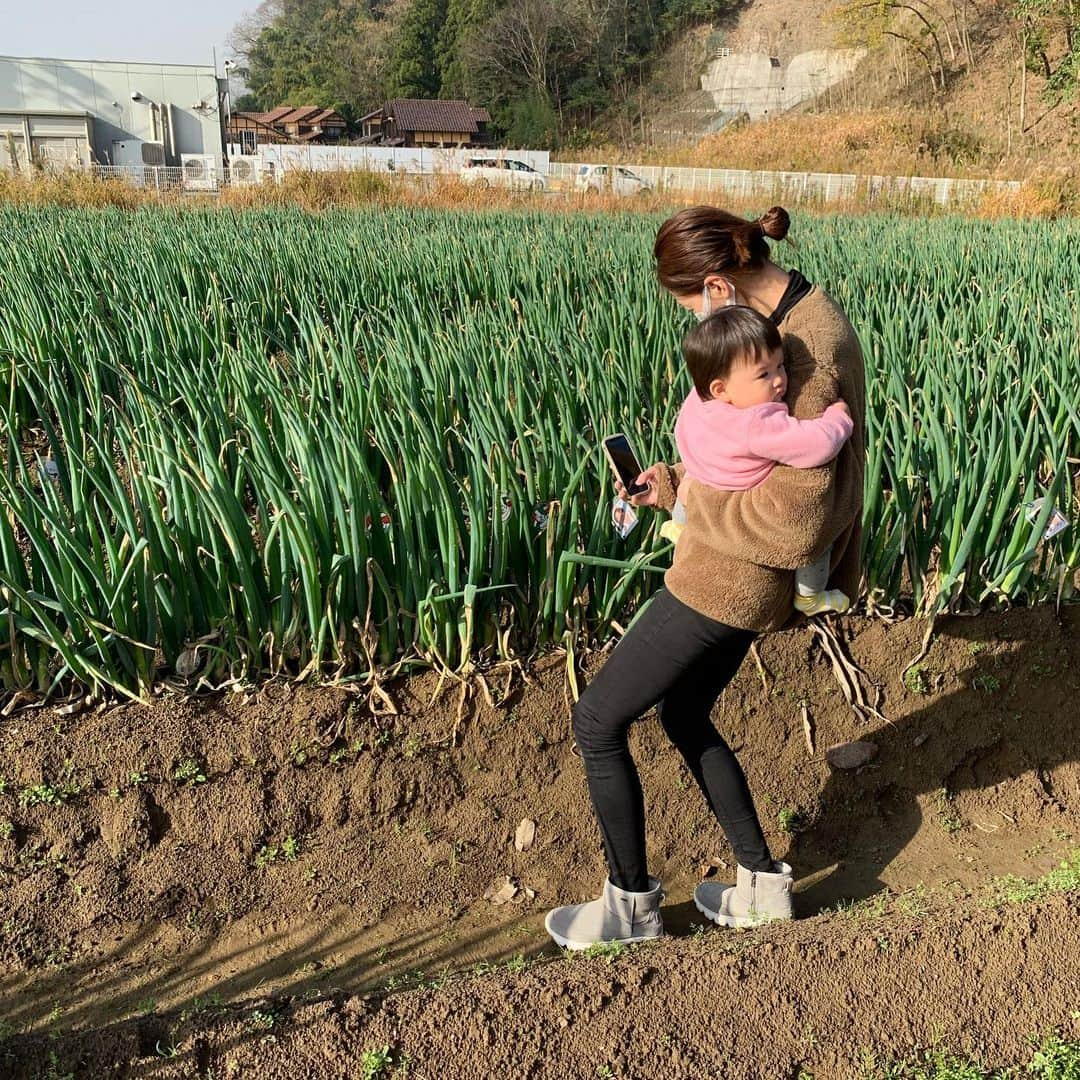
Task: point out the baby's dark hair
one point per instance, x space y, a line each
729 336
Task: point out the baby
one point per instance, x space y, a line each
734 427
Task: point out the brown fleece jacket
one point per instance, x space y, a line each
735 558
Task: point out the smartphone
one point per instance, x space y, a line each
624 462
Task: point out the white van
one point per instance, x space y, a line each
613 179
490 171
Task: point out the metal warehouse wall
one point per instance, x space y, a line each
104 89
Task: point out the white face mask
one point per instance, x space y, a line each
706 301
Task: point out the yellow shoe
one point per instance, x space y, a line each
671 530
822 602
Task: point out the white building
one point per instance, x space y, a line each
61 113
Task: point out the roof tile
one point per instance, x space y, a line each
413 114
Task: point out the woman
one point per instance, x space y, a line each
731 579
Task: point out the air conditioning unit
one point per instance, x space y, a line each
245 169
200 172
153 153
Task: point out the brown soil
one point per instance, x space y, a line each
132 910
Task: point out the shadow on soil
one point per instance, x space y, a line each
1003 747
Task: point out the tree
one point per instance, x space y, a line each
414 69
915 23
313 52
464 19
1040 24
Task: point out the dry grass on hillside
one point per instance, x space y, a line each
882 142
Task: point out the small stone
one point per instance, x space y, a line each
920 739
851 755
525 835
500 894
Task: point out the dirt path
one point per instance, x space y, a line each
825 997
327 852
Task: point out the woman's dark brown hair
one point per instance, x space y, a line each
703 240
733 335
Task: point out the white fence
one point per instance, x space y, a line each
801 186
389 159
415 166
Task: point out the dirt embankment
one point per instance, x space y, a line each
158 864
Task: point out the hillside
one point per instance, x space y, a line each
982 112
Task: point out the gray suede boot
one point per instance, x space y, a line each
617 916
756 897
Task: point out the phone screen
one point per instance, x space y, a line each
626 463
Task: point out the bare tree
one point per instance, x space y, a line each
520 40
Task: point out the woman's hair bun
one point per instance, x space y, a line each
775 223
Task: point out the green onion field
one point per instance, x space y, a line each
321 444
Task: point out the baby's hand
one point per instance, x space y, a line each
842 405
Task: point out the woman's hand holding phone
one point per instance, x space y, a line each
650 476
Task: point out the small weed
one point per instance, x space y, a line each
146 1006
608 950
338 755
412 746
114 793
381 954
516 964
286 851
1056 1060
374 1063
792 820
139 777
262 1020
384 738
916 680
202 1006
299 753
988 684
946 815
53 1072
604 1071
1065 877
871 907
976 647
913 902
7 830
47 794
168 1050
189 772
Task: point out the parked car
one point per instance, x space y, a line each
489 171
615 179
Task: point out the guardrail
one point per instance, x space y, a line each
790 187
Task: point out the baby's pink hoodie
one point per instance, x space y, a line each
735 449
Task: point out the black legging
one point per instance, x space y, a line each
682 659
